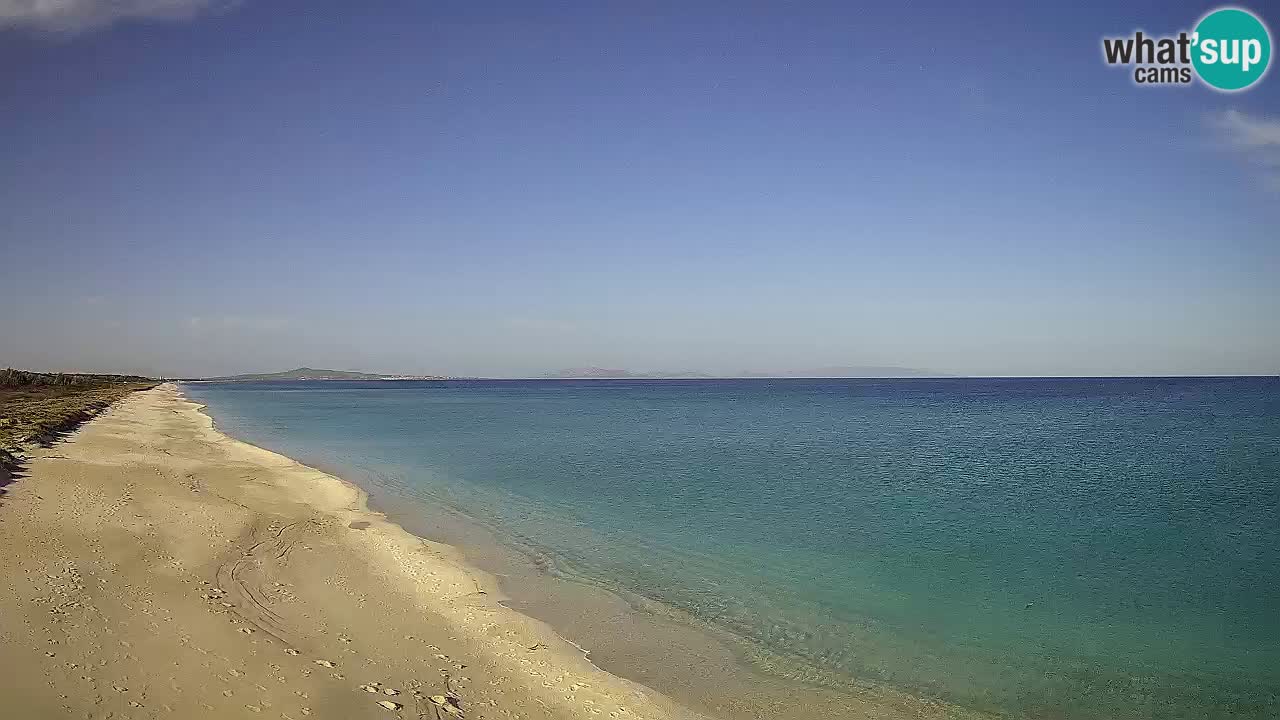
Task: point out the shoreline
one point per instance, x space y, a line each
159 566
706 669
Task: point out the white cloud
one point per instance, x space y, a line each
1256 137
1247 131
79 15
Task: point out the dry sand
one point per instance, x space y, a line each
154 567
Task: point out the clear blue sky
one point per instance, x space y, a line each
508 188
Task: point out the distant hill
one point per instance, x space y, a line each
599 373
596 373
849 371
304 373
839 371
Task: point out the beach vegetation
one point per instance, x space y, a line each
38 407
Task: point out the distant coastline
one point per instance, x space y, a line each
592 373
840 372
305 373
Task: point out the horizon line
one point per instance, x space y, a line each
449 378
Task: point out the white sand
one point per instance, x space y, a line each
153 567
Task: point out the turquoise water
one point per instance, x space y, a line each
1057 548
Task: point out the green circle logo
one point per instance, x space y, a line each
1232 49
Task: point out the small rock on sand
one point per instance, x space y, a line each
325 663
390 705
448 704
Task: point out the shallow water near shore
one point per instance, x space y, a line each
1065 548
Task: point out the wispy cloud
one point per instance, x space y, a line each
1255 137
80 15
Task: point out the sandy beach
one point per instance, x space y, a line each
154 567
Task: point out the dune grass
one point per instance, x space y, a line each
36 407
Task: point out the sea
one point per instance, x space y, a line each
1066 548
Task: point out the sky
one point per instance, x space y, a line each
506 188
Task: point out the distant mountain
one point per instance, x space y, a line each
838 371
596 373
849 371
599 373
304 373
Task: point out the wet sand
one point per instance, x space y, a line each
659 647
153 567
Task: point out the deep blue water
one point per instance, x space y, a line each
1073 548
